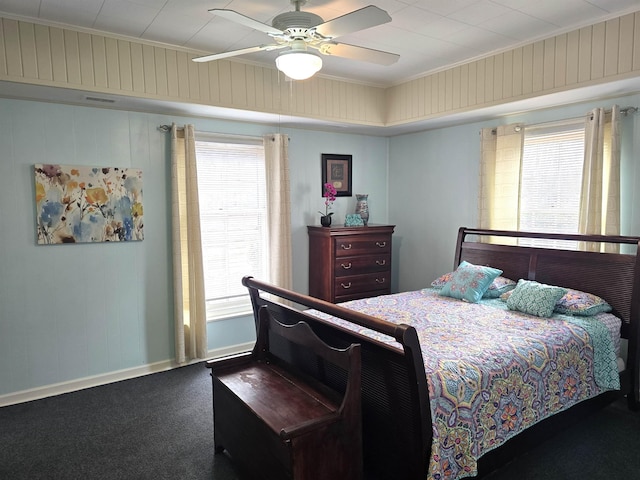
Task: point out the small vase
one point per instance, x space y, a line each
362 206
325 221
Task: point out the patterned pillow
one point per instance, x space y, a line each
499 285
504 296
575 302
469 282
534 298
441 280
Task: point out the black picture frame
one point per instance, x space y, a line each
337 170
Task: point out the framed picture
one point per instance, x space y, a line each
79 204
336 170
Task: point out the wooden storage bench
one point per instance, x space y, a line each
278 423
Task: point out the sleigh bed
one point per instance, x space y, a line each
427 412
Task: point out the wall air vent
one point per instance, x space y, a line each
98 99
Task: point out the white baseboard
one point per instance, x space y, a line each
105 378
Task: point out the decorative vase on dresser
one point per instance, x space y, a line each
347 263
362 206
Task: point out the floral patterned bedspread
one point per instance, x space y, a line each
492 372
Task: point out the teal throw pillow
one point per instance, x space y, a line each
534 298
499 285
469 282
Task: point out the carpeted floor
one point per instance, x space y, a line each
155 427
160 427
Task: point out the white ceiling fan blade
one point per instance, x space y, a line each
234 53
359 53
355 21
246 21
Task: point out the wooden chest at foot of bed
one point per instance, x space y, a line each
347 263
279 424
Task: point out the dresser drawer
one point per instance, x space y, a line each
354 284
362 264
362 245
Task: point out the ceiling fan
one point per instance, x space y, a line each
300 31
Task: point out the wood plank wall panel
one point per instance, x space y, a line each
124 62
72 54
597 53
625 54
137 68
46 55
3 55
113 64
43 53
87 62
636 47
12 48
27 35
54 56
160 62
598 39
573 46
58 55
99 49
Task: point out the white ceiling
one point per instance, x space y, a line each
427 34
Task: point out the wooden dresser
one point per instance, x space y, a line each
346 263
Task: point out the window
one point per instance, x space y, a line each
551 180
233 217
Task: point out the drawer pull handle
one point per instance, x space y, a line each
347 266
348 285
380 281
381 262
381 244
345 247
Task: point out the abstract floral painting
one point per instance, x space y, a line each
77 204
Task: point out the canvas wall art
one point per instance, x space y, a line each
79 204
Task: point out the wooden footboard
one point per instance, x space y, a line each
396 420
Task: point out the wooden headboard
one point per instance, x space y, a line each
614 277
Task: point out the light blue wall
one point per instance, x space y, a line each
72 311
433 187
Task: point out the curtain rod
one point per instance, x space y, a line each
167 128
624 111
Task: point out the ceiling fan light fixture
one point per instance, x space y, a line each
298 65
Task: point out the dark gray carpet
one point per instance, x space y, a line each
160 427
155 427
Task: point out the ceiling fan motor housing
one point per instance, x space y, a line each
289 20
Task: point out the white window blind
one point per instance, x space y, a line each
551 180
233 216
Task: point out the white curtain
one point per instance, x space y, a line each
276 149
600 199
188 278
501 158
